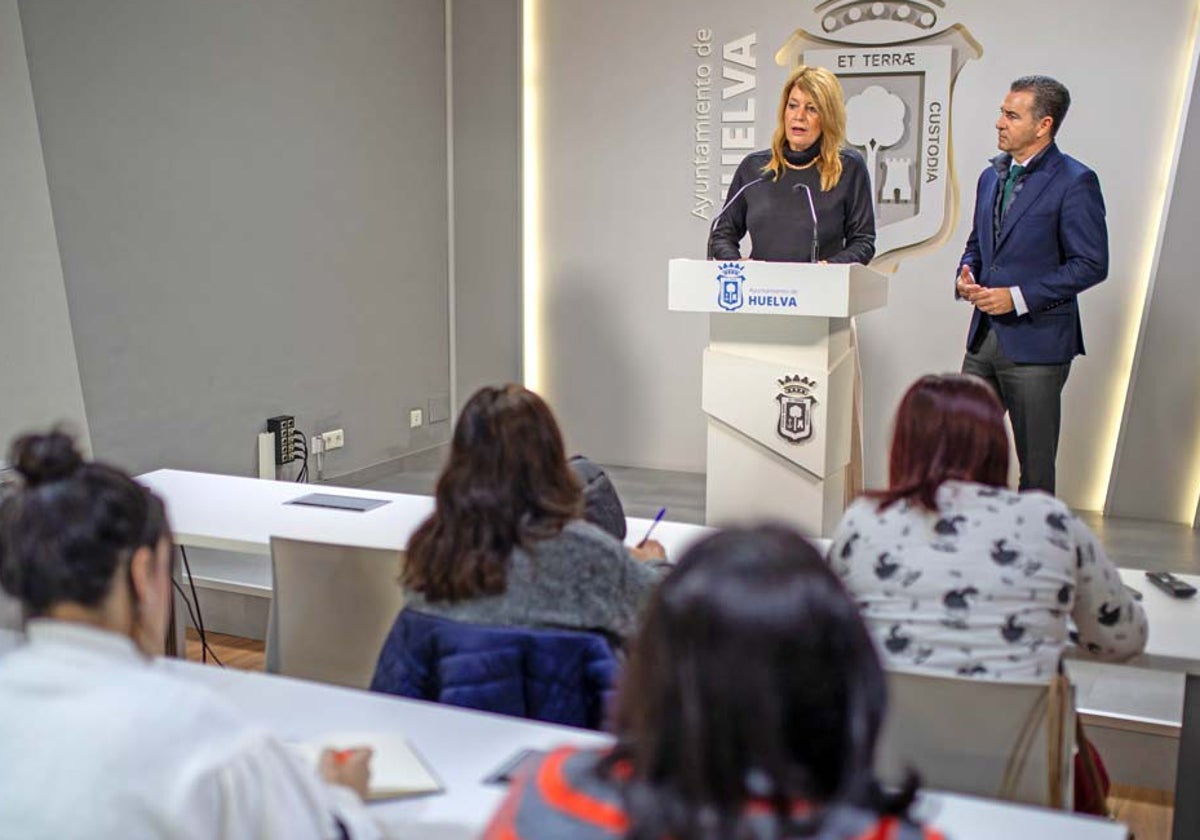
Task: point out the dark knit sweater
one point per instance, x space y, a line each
777 216
581 579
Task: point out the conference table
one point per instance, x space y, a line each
236 514
463 747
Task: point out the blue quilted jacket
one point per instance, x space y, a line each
556 676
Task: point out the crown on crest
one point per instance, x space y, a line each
798 385
922 16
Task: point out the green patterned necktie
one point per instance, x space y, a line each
1014 172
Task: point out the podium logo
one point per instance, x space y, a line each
730 280
897 61
796 404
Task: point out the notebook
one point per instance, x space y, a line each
356 503
397 769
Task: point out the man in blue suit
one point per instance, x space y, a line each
1039 239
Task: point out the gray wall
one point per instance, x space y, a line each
486 84
39 377
1155 475
251 208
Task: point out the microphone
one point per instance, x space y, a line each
729 204
812 208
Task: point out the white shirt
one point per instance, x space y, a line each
98 742
983 587
1019 305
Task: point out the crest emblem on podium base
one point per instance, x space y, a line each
796 404
730 280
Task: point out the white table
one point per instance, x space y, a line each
1174 643
233 513
1135 710
1146 690
241 514
237 516
463 747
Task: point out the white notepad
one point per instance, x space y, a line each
396 768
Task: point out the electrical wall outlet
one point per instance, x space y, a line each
335 439
439 408
415 418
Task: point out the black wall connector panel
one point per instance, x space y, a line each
283 427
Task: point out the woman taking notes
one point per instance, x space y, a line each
507 543
769 197
955 573
96 740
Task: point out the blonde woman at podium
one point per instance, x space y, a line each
808 197
805 199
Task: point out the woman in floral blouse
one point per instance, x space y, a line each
957 574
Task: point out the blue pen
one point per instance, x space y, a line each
661 513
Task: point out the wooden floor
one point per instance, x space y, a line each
232 651
1147 812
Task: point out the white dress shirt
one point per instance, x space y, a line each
1019 305
96 741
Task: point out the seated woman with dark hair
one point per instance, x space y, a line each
957 574
750 708
96 741
507 544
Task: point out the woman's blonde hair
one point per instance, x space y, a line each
824 89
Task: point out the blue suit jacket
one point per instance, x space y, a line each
1053 244
556 676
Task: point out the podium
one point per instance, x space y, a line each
778 384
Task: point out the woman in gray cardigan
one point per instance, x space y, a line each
507 544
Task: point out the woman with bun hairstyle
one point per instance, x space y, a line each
749 710
95 739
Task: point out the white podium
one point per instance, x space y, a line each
779 380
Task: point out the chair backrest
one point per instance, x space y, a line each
546 674
1004 740
331 609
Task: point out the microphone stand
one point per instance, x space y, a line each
709 253
814 254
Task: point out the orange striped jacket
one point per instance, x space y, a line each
563 798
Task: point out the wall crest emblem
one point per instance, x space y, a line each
897 61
